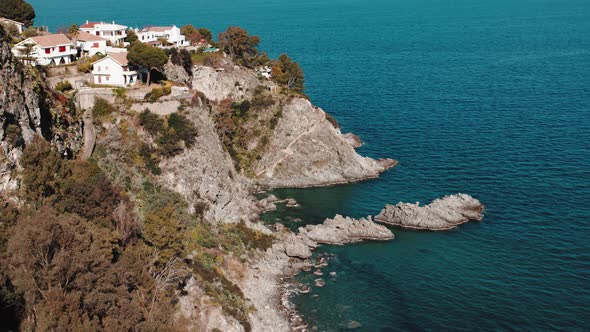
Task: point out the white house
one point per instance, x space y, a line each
116 33
54 49
114 70
7 22
90 44
171 34
147 37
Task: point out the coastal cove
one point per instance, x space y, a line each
485 98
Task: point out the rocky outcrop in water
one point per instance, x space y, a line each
343 230
442 214
306 150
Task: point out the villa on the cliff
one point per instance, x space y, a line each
171 34
90 44
115 33
8 22
114 70
53 49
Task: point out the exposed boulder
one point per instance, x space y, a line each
442 214
342 230
176 73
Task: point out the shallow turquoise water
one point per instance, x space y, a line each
491 98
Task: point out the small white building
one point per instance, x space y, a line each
90 44
116 33
54 49
114 70
171 34
7 22
264 71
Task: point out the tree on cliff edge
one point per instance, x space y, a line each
144 55
240 46
287 72
17 10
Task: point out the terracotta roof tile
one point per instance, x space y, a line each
85 36
89 25
121 58
52 40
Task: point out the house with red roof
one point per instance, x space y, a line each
52 49
90 44
116 33
114 70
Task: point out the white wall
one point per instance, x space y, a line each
91 48
108 72
44 59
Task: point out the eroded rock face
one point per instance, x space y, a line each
227 82
26 112
442 214
176 73
205 174
342 230
305 150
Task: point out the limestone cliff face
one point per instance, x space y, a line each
205 174
27 109
306 150
302 148
225 82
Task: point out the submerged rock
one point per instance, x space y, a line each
442 214
341 230
320 282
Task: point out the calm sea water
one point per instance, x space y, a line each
491 98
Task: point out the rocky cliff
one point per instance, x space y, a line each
280 140
28 109
205 174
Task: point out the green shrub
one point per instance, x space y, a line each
150 159
63 86
151 122
261 101
241 109
183 128
102 108
120 92
169 144
154 95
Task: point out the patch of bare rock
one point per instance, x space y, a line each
441 214
342 230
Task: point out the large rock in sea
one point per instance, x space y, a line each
440 215
342 230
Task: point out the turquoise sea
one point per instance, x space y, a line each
486 97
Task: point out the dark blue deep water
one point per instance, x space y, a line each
486 97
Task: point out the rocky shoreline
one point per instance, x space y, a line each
292 252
